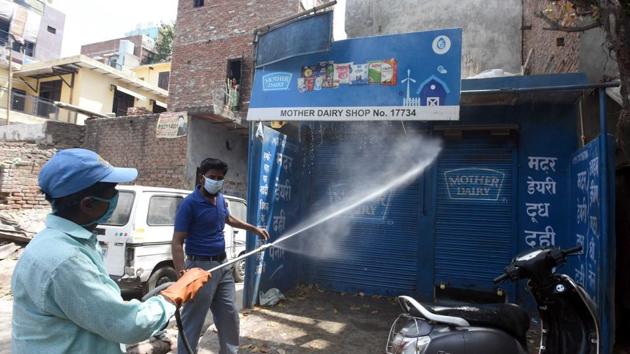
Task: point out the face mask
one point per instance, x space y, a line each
211 186
113 202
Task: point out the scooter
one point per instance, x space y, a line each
568 321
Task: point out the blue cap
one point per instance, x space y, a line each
73 170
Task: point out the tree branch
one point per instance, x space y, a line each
555 26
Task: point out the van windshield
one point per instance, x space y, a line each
123 209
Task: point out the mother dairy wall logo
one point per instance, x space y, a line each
279 81
474 183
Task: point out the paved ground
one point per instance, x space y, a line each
314 321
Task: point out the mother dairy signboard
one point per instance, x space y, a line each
413 76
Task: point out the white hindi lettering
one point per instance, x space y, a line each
264 190
267 156
579 239
283 191
266 168
284 161
592 278
593 167
279 222
591 250
593 224
579 275
548 239
582 181
548 186
537 209
540 163
263 205
594 194
545 238
582 211
276 253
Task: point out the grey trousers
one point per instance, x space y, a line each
218 295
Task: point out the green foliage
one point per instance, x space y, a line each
164 45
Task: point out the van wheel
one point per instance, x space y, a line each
163 275
239 270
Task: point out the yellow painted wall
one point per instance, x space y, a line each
92 91
150 73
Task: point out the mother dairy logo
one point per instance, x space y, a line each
276 81
474 183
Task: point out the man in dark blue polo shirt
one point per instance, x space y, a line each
199 225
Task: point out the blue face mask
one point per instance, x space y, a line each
211 186
113 202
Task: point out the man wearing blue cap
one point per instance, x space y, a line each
64 300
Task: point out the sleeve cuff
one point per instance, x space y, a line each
169 308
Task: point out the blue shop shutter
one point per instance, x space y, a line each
475 217
379 256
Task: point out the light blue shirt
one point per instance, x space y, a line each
65 302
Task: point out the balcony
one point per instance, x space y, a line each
31 109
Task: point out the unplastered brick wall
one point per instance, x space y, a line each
552 51
206 38
20 164
131 142
64 135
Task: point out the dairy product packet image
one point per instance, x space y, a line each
301 85
342 73
389 72
374 72
358 74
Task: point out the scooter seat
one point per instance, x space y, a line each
507 317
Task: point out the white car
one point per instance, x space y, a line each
136 241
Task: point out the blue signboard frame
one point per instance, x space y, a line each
412 76
272 204
591 227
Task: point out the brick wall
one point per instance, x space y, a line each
64 135
548 56
131 142
112 45
19 168
206 37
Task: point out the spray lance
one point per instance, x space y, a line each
178 318
310 223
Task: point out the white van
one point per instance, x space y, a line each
136 241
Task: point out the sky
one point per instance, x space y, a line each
89 21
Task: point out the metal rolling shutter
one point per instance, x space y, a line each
475 221
379 255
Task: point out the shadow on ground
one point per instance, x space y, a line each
314 321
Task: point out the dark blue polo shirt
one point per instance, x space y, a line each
204 224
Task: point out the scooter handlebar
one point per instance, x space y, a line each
500 278
573 250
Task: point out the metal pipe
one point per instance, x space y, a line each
543 88
10 82
243 256
608 249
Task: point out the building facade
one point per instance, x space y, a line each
33 30
211 78
122 53
83 86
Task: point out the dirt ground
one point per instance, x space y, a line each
314 321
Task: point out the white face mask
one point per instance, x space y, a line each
211 186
